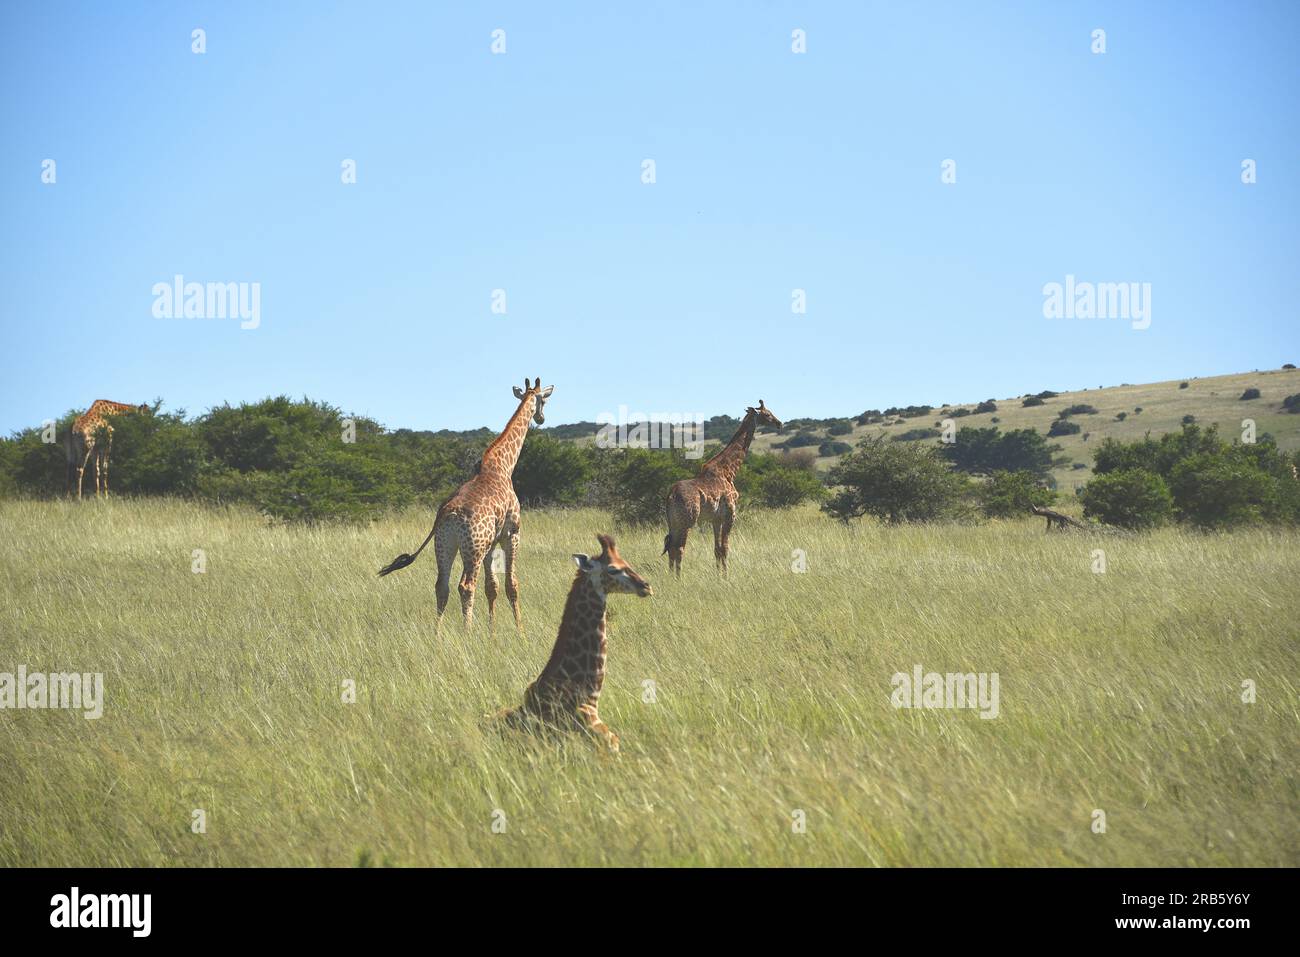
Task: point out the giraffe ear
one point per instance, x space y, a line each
583 562
546 393
518 393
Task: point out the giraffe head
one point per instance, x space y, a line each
763 415
539 393
609 573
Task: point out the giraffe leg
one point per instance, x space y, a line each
677 550
682 517
512 580
590 720
722 538
105 471
444 549
81 470
470 559
490 586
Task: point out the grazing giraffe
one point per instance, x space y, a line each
565 694
712 493
483 512
1061 521
92 434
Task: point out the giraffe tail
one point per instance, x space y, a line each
401 561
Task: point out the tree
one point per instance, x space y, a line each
643 479
984 451
552 472
1128 498
895 482
1013 493
1218 491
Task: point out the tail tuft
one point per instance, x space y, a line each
401 561
667 541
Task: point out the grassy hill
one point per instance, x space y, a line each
1212 400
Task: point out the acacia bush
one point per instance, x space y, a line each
1008 494
986 450
1129 498
896 482
1212 483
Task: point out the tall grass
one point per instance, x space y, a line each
1120 692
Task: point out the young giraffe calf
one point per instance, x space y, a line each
566 692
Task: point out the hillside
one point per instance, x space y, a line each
1212 400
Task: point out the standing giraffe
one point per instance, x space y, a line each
483 512
92 434
712 493
566 692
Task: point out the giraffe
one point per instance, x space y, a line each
712 493
92 434
483 512
565 694
1054 517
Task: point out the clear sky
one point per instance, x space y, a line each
522 171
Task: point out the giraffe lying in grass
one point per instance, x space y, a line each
712 493
483 512
566 692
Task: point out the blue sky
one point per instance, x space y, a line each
522 172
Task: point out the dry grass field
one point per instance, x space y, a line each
1120 692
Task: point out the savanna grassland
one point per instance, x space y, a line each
1119 691
1212 400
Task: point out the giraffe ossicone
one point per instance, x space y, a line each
482 513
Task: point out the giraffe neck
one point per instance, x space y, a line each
578 659
98 414
503 453
729 460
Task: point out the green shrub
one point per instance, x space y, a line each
914 435
643 479
1032 401
1131 498
988 405
1063 427
1220 491
840 428
1251 393
552 472
1080 408
788 488
987 450
1012 493
896 482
